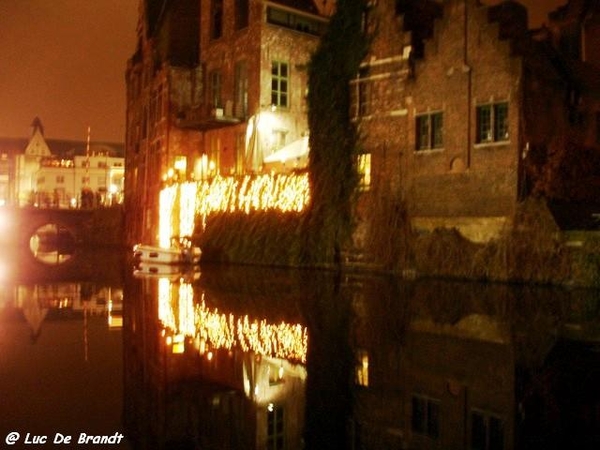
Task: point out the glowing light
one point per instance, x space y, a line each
181 204
165 222
211 329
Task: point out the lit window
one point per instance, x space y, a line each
362 368
279 84
425 416
364 170
180 164
430 131
492 122
487 431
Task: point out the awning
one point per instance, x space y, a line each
290 152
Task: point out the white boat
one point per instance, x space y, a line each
170 271
180 252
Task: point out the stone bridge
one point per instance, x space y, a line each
87 226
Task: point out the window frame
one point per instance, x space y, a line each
429 424
275 427
216 88
429 131
492 122
280 84
216 19
241 88
242 14
490 441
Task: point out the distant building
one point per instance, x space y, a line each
54 173
215 88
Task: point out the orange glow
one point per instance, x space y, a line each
212 329
182 203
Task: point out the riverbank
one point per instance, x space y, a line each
530 251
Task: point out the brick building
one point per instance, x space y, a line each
213 88
454 97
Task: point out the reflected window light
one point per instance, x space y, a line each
362 368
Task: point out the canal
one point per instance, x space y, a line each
240 357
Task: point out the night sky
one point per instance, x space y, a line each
65 60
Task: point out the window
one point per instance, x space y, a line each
278 138
241 89
215 89
368 23
362 368
363 93
240 152
287 19
364 170
487 431
425 416
216 24
242 13
279 84
430 131
60 179
275 428
492 122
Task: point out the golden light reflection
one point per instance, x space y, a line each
182 203
211 329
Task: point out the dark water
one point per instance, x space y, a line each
258 358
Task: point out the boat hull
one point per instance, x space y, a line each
170 256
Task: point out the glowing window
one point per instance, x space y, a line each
362 368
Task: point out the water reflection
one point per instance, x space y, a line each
61 345
52 244
240 358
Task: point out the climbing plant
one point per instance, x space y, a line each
333 137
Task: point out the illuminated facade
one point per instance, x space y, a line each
52 173
215 89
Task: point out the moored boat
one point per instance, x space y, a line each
180 252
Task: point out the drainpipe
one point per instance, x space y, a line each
469 82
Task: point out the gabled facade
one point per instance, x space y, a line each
450 100
27 163
36 171
233 95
